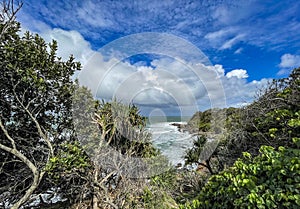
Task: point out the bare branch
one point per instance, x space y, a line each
40 131
8 14
37 175
7 135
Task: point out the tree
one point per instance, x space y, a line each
112 168
119 152
35 108
56 140
201 153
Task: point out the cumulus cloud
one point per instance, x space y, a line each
168 84
172 84
289 61
239 91
69 42
239 73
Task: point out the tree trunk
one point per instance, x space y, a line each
95 198
209 167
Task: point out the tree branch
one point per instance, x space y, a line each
37 175
7 135
8 14
40 131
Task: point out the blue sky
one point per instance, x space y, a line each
248 42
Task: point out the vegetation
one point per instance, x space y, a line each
35 108
57 142
268 130
43 117
270 180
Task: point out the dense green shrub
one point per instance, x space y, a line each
270 180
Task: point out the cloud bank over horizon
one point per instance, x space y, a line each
169 84
245 45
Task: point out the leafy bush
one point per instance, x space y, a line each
270 180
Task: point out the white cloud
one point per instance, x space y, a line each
214 36
225 38
222 14
144 85
239 73
172 84
30 23
233 12
238 51
229 43
289 61
102 20
239 91
69 42
276 31
89 14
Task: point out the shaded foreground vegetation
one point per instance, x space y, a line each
62 149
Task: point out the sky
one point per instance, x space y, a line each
172 57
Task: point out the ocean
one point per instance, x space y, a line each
168 139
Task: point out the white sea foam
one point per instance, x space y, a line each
171 142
